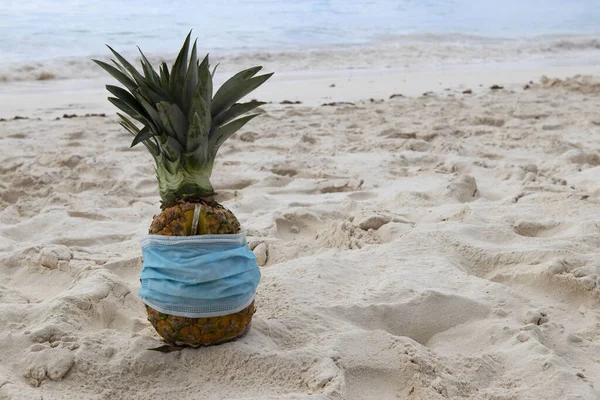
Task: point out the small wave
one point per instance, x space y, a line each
49 70
410 52
45 76
571 44
578 83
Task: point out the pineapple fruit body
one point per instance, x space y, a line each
177 220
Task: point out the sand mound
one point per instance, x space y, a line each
579 83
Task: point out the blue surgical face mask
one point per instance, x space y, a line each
198 276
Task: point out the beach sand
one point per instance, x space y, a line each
425 246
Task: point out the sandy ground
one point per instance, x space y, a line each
439 246
54 98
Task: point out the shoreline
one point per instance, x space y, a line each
410 53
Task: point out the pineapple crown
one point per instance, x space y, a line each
183 124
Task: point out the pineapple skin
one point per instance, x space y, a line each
177 221
201 331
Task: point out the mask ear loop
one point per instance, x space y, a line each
197 210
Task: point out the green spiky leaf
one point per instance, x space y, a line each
199 110
205 81
126 98
235 111
143 135
235 91
170 147
174 120
220 97
164 76
148 69
137 77
121 105
128 124
178 71
224 132
118 75
199 153
150 109
191 79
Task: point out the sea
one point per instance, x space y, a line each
39 34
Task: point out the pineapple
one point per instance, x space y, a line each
183 125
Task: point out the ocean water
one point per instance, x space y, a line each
55 39
38 30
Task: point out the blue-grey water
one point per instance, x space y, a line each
38 30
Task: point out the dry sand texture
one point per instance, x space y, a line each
433 247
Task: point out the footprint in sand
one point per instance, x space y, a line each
582 157
420 318
534 228
234 182
297 224
284 171
377 365
339 185
463 188
361 196
537 317
87 215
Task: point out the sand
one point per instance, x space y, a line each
438 246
